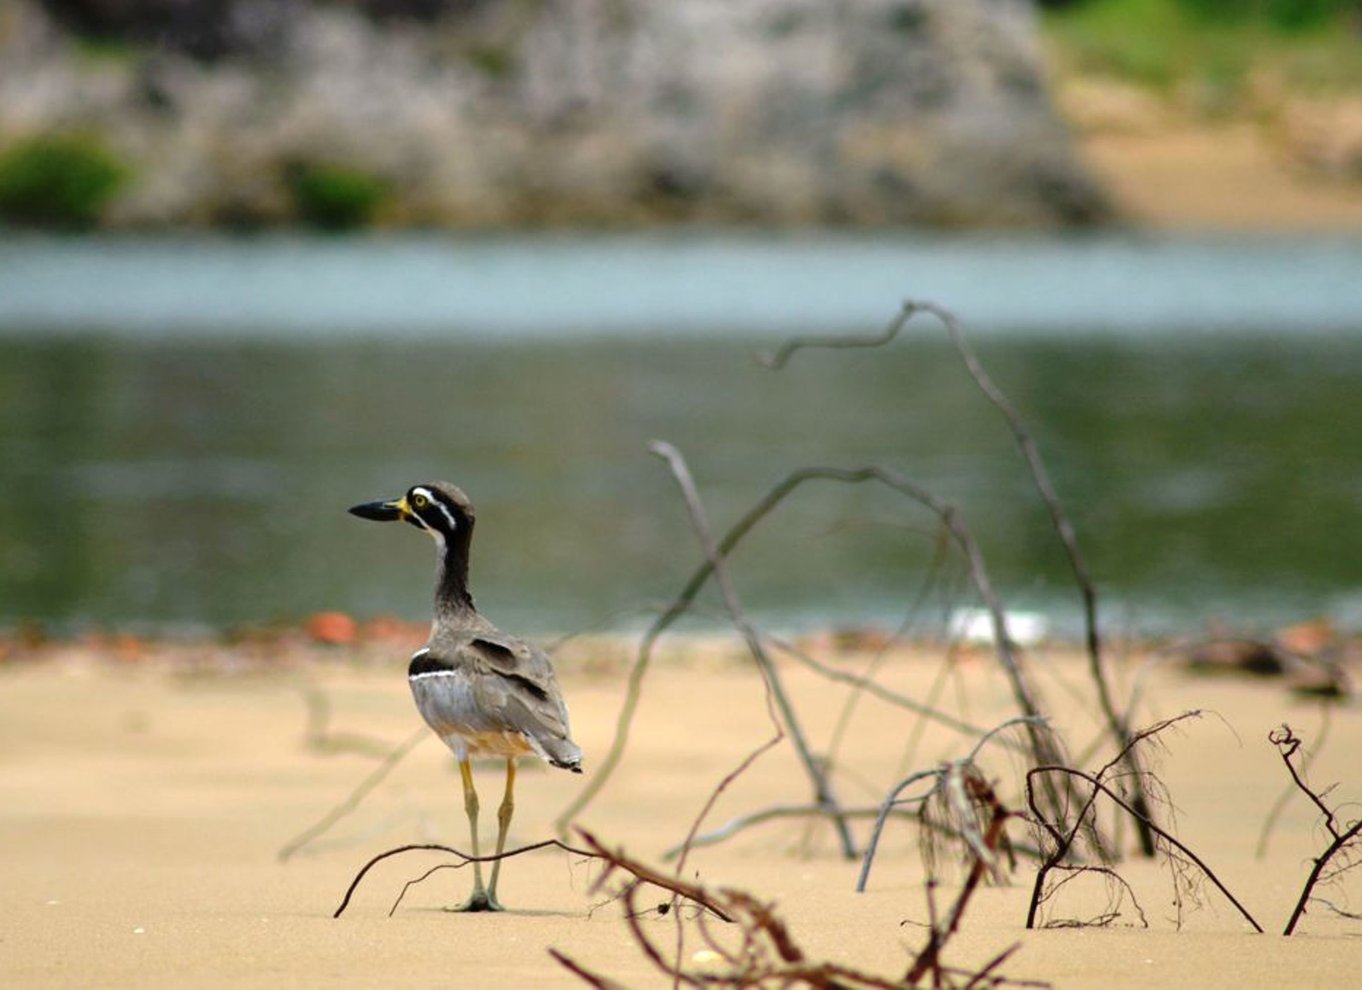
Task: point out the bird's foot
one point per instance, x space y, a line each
479 900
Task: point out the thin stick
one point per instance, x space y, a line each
774 687
775 813
878 690
595 850
375 777
1279 805
930 956
1099 785
1287 744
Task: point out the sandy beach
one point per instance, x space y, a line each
144 802
1226 178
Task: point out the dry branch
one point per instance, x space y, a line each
955 770
766 953
972 789
1279 805
1116 721
788 721
1044 747
1341 836
641 874
1063 837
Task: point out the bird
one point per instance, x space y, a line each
483 692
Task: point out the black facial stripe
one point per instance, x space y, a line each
437 514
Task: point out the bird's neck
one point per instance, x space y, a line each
451 574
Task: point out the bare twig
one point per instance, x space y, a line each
978 792
1292 788
1287 744
768 955
1064 529
877 690
594 850
938 776
1113 911
1044 747
788 721
1100 786
375 777
774 813
591 979
1064 842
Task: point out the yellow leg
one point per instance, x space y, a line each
478 900
503 826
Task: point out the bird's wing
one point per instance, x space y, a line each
519 683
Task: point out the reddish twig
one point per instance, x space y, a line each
1287 744
1044 746
982 856
641 874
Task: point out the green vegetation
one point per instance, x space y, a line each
1214 46
59 180
334 197
497 62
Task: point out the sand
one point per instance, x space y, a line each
143 804
1225 178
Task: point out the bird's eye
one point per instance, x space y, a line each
420 501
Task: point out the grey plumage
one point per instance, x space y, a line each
484 692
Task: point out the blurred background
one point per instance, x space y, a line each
263 259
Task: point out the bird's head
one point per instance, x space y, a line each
439 508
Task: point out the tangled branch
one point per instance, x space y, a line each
1117 722
1062 835
1341 844
761 951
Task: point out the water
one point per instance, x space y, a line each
183 423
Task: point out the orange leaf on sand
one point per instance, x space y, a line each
335 628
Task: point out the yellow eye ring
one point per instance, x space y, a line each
420 501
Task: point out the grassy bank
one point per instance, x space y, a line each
1214 55
1216 114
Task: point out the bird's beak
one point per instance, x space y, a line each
382 511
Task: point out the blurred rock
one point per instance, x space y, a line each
482 113
1237 656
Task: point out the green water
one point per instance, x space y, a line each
169 482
